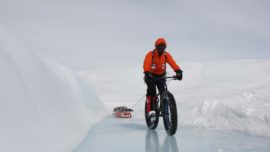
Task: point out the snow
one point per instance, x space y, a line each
44 106
236 100
227 95
217 112
65 64
246 113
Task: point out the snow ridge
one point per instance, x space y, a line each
247 112
43 106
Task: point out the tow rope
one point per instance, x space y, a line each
125 112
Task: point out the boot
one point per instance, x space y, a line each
151 103
154 103
148 103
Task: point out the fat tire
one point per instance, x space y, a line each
170 122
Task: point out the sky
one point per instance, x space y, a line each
97 33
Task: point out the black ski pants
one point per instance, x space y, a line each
152 84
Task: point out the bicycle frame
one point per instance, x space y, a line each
165 92
165 107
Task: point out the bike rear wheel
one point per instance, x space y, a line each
169 111
152 117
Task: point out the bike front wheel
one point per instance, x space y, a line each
169 111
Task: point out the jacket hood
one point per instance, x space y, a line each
160 41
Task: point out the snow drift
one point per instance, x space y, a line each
43 105
227 95
248 112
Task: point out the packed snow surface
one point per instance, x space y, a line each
132 135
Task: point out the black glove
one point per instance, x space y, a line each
179 74
148 76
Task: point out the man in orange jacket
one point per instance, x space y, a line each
155 66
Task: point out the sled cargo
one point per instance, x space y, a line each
122 112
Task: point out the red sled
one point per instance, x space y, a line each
122 112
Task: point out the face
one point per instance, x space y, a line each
161 48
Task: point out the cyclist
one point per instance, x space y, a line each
155 66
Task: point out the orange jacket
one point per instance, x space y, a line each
157 64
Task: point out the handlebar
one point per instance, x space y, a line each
167 77
170 77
